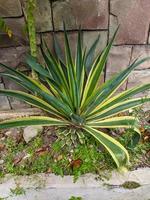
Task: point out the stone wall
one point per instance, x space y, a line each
96 17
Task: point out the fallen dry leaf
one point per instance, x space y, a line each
18 158
42 150
76 163
49 171
2 146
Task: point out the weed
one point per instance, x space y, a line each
18 191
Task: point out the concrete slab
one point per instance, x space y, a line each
51 187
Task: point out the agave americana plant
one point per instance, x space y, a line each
70 93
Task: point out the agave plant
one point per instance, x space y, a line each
70 93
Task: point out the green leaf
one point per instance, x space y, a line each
71 72
79 58
55 68
31 61
30 99
57 48
111 86
31 84
119 107
42 91
96 71
115 122
31 121
121 97
90 55
116 150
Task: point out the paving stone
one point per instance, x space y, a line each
13 56
50 186
133 17
42 15
89 14
10 8
141 51
4 103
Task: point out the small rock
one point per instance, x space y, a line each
31 131
14 134
2 139
1 162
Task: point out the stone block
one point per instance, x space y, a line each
133 17
15 103
10 8
88 38
141 51
138 78
122 88
42 15
89 14
119 59
60 37
4 103
14 56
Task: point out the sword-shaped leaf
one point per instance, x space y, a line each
119 107
121 97
90 55
30 99
32 121
111 86
96 71
116 150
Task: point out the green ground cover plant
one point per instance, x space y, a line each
42 156
69 92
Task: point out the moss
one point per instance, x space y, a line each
130 185
125 185
75 198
